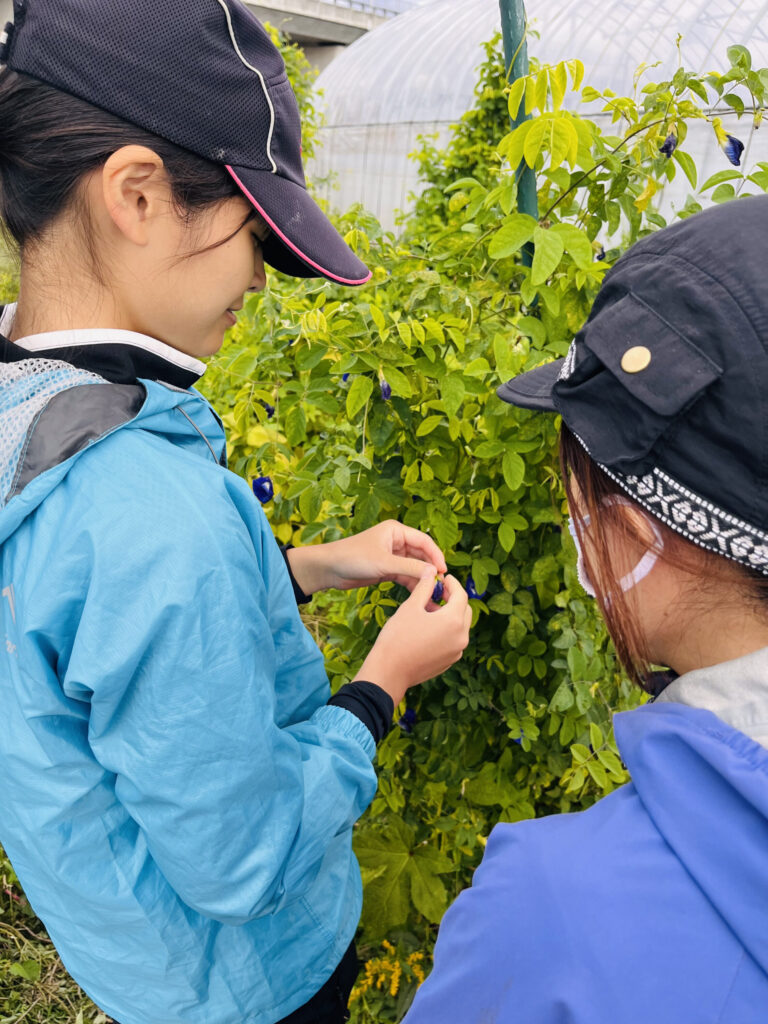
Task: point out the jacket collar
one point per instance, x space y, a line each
121 357
736 691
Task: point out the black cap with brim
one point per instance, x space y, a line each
533 390
305 244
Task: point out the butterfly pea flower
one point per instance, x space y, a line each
407 720
437 593
386 389
269 409
471 589
263 489
345 377
669 145
601 254
730 145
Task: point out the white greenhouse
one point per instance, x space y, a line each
415 75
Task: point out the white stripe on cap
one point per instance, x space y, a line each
223 5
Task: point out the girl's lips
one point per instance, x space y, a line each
231 317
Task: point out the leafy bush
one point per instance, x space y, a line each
379 403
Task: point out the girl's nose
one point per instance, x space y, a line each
259 279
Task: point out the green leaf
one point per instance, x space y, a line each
548 251
507 535
359 393
513 468
721 176
740 55
723 193
445 526
688 165
595 735
295 425
398 381
452 391
27 969
428 425
576 243
515 231
597 772
427 890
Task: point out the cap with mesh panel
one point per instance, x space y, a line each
205 75
665 384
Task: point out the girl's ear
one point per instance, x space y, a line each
136 191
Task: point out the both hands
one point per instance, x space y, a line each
421 639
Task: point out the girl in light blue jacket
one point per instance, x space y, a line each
179 788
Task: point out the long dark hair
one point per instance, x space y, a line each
706 568
49 140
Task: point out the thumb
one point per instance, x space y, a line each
422 592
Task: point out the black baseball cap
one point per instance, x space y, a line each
666 385
205 75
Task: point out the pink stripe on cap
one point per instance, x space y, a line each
289 243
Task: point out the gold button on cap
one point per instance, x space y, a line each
635 359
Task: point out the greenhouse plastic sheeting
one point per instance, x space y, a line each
415 75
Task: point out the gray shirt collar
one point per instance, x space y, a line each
736 691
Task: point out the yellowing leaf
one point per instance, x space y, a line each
534 140
558 83
540 91
516 93
650 190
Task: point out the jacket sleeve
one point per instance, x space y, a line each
174 648
504 944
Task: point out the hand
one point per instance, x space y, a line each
418 643
388 551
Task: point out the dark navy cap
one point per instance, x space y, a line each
205 75
666 385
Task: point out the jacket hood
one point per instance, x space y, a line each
705 786
52 411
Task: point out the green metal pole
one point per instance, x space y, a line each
513 25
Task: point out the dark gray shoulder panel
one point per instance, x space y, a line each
71 421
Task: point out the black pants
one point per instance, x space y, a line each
329 1004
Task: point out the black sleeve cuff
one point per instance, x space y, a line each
298 593
368 702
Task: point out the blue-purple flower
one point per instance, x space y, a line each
437 593
263 489
407 720
730 145
601 254
345 377
269 409
471 589
386 390
669 145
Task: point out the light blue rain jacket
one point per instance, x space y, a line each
177 798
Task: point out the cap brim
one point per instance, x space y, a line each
303 241
533 390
